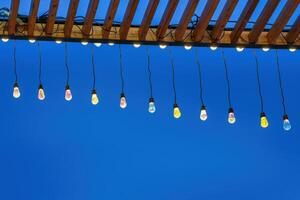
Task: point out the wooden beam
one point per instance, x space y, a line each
110 15
148 16
89 17
185 19
51 17
223 19
32 16
243 20
282 19
294 32
127 19
166 18
13 14
204 19
262 20
73 5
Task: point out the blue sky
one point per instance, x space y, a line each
74 150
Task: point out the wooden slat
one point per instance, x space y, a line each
73 5
294 32
12 19
127 19
262 20
185 19
243 20
32 16
89 17
204 19
282 19
166 18
51 17
148 16
110 15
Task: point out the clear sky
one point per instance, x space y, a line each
73 150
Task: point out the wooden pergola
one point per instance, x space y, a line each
200 34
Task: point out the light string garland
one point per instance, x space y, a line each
231 115
203 112
41 92
151 107
94 99
263 117
176 109
16 89
123 102
286 123
68 93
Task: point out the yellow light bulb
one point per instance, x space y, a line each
176 111
16 91
263 120
58 41
203 113
68 93
95 99
123 102
231 116
41 93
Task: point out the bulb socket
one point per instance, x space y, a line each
16 84
151 100
41 86
203 107
94 91
122 95
175 105
230 110
262 114
285 117
67 87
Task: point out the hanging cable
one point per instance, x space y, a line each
149 72
200 75
121 68
66 63
93 66
15 62
227 79
173 75
280 83
258 82
40 63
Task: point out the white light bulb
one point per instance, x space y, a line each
41 93
31 40
84 43
16 91
111 44
58 41
240 49
187 46
123 102
292 49
97 44
265 49
162 46
136 45
213 47
5 39
68 93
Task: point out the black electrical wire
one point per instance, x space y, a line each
280 83
258 81
227 79
173 75
149 72
40 63
93 66
200 75
121 68
66 63
15 62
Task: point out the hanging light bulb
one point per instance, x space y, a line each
123 103
16 91
84 43
97 44
5 39
162 46
213 47
95 99
111 44
68 93
265 49
203 113
32 40
286 123
41 93
151 108
176 111
188 46
136 45
58 41
263 120
292 49
240 48
231 117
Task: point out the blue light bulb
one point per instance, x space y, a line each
151 108
286 123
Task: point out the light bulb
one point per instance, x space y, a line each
123 103
31 40
111 44
68 93
84 43
240 48
286 123
176 111
136 45
292 49
16 91
97 44
203 113
231 117
95 99
162 46
58 41
265 49
187 46
151 108
41 93
213 47
5 39
263 120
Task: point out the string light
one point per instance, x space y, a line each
123 102
84 43
176 109
213 47
68 93
136 45
266 49
231 115
263 118
31 41
162 46
5 39
58 41
286 123
94 99
41 92
111 44
292 49
203 112
188 46
97 44
16 89
151 107
240 48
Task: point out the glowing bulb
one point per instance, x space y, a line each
111 44
231 117
68 93
16 91
203 113
286 123
151 108
58 41
265 49
292 49
213 47
240 48
84 43
5 39
176 111
97 44
263 120
162 46
41 93
95 99
31 40
123 103
136 45
187 46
